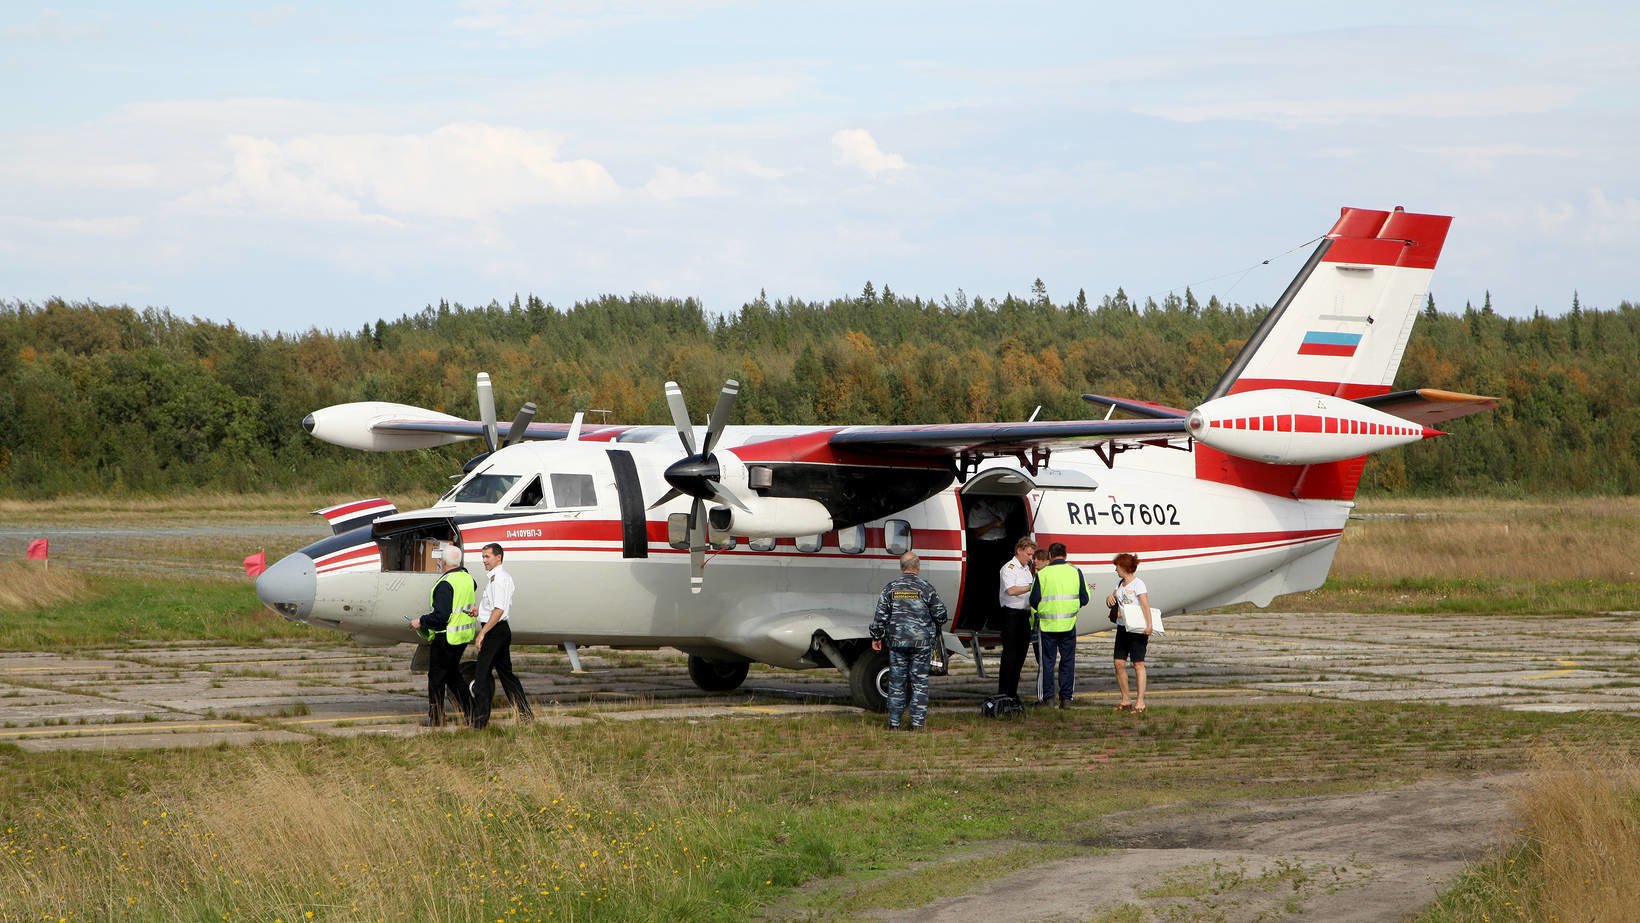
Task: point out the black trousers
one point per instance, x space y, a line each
1016 640
444 674
496 653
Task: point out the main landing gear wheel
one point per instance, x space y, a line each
868 680
713 676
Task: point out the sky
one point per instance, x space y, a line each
298 165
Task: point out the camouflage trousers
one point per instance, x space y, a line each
908 672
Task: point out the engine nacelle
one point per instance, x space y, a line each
1287 427
351 425
772 517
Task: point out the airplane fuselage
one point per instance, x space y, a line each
589 574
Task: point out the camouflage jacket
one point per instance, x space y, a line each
909 613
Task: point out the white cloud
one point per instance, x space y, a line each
857 148
48 25
469 170
1498 101
535 22
672 183
1482 158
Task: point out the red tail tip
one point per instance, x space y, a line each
1432 433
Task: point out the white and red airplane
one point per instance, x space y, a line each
770 544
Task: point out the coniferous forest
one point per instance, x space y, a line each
105 399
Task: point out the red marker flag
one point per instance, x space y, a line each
256 564
39 549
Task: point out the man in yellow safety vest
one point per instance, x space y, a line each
448 628
1057 595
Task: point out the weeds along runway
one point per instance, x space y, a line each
190 694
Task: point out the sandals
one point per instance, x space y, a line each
1138 709
1125 706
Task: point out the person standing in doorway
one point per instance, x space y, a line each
1058 594
495 642
1013 595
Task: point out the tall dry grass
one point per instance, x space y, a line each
1582 821
434 829
1573 539
29 586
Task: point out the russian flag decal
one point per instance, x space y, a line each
1322 343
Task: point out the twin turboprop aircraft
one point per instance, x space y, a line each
740 544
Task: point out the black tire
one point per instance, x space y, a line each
868 680
717 676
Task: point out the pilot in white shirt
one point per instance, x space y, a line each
495 642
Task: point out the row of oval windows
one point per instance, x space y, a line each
896 538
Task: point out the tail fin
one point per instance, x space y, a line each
1340 328
1343 323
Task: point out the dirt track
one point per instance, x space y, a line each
1361 857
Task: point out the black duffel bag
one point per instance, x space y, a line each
1001 706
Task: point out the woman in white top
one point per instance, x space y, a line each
1133 631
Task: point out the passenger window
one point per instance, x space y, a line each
762 544
808 544
486 488
530 496
897 536
677 530
852 540
720 541
572 490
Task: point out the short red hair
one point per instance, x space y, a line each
1127 562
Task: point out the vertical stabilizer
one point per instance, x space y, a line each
1342 325
1340 328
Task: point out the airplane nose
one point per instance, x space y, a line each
289 586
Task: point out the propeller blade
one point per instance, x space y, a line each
697 547
666 498
521 423
680 416
486 409
720 414
722 493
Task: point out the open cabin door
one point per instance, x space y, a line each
1006 494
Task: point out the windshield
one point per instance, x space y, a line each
485 488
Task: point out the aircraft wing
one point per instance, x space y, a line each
472 428
1429 405
1141 408
953 438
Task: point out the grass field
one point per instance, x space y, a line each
71 610
670 820
716 820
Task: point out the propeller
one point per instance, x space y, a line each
697 474
486 410
492 433
521 423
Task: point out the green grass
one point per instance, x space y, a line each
1501 888
1470 595
127 609
716 820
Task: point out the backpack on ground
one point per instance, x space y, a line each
1001 706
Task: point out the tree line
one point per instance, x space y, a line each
111 399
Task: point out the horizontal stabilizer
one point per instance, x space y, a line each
345 517
1149 409
1429 405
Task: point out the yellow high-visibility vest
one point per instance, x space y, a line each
1061 586
462 627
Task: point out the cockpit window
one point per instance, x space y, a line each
572 490
485 488
530 496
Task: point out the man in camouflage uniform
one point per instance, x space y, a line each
908 620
